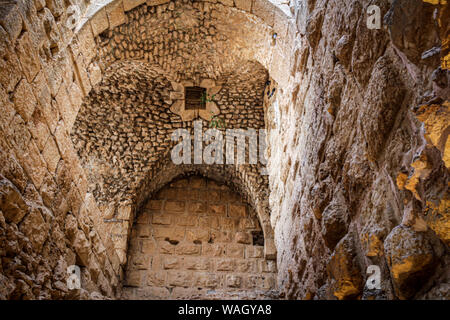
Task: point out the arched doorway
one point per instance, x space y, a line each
198 239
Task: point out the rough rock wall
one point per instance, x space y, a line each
365 182
196 239
48 220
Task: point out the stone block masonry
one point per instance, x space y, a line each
196 239
358 148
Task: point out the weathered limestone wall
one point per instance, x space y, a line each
196 239
48 219
353 181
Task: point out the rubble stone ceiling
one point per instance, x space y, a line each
191 38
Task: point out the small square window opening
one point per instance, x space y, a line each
195 98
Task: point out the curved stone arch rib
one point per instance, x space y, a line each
138 73
266 10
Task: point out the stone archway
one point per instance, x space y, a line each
197 239
355 178
108 33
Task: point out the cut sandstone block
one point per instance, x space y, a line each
116 14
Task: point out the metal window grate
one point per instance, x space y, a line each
195 98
